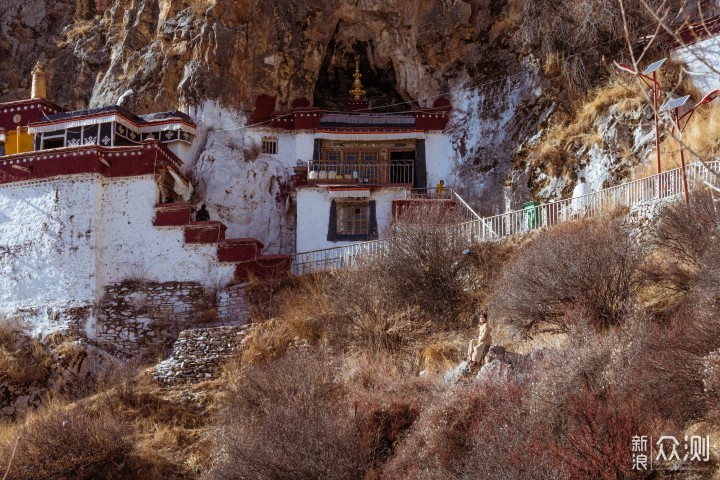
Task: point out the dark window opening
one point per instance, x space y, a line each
49 143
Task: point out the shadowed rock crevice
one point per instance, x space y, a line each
335 77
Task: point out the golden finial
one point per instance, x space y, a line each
38 88
357 91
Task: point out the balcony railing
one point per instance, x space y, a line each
393 172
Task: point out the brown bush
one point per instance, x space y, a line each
286 419
422 267
68 443
23 359
684 237
593 265
475 431
304 415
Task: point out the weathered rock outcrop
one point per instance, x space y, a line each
174 52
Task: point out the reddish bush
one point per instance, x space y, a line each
595 441
593 265
478 430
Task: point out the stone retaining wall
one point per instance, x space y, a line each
198 354
137 318
231 304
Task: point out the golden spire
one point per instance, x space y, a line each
357 91
38 89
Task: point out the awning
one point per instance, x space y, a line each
360 136
349 192
87 121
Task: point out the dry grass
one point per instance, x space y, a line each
23 360
575 129
702 135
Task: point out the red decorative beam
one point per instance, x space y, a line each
106 161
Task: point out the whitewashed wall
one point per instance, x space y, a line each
47 249
439 158
63 240
129 246
182 150
313 215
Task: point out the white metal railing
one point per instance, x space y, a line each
655 188
336 258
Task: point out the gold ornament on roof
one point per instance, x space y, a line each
38 88
357 91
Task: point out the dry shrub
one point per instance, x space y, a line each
23 359
577 37
286 419
386 402
69 443
684 237
485 264
422 285
476 430
592 264
424 264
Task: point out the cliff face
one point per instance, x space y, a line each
175 52
213 58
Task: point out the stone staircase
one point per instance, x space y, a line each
200 350
245 253
199 353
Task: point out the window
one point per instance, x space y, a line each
269 145
352 218
57 142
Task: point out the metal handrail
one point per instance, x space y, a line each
652 189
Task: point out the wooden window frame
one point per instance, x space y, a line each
334 235
269 145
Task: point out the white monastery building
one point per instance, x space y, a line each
350 167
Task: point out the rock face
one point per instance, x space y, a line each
184 52
213 58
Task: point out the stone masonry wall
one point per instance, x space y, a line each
137 317
231 304
198 354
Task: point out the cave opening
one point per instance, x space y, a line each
336 78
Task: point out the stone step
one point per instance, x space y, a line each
239 249
172 214
205 232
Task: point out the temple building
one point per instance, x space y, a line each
96 229
351 166
96 219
